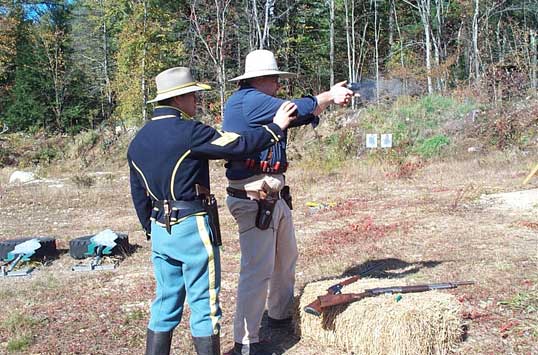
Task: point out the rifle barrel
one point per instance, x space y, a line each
345 298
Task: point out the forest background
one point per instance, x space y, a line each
68 66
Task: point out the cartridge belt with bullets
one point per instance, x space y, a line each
260 167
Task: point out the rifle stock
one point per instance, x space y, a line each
344 298
315 308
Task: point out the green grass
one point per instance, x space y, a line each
20 326
19 343
523 301
19 323
433 146
134 316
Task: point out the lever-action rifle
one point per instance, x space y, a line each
345 298
314 308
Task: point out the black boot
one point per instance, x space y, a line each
158 343
274 323
207 345
250 349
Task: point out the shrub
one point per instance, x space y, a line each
45 155
83 181
433 146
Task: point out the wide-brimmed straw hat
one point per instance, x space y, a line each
174 82
261 63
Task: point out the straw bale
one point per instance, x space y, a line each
419 323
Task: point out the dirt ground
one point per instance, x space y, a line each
439 225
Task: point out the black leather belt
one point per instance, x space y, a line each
242 194
180 205
168 212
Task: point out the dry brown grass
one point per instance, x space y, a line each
432 232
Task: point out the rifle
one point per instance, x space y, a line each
314 308
346 298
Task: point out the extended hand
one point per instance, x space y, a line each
286 113
341 95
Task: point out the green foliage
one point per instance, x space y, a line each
147 44
433 146
45 155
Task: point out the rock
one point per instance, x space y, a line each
21 177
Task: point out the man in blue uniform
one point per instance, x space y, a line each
169 175
260 202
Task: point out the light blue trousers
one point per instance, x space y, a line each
185 264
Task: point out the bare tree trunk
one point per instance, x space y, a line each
439 44
348 43
257 26
423 7
215 52
107 88
363 50
377 29
331 40
269 13
534 60
143 64
476 54
425 14
402 62
391 27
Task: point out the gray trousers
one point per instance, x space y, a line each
267 274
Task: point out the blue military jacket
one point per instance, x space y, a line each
248 108
169 155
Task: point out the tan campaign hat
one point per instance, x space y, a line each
261 62
174 82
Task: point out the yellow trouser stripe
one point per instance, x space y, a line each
204 235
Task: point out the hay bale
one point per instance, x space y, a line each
419 323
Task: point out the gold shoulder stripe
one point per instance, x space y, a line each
225 139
